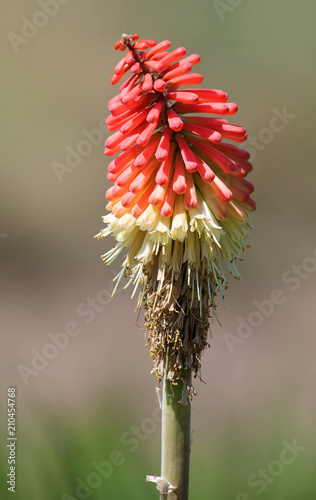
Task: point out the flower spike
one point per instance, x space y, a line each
179 201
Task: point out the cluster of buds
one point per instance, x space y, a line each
179 201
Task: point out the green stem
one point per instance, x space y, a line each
175 438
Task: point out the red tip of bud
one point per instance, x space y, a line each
174 121
141 45
159 85
135 68
148 83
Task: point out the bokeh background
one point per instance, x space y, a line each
86 404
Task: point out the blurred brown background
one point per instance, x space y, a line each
55 86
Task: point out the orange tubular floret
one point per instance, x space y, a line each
154 113
210 95
147 133
148 83
158 48
174 121
144 177
173 56
112 152
164 145
226 164
179 182
163 174
134 121
193 79
154 65
127 176
190 198
159 85
168 204
142 202
221 190
186 97
177 72
189 158
129 199
206 133
149 151
158 195
205 171
120 66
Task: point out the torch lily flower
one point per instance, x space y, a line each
179 201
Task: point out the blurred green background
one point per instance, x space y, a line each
82 405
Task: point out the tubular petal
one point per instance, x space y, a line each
182 69
226 164
135 68
190 198
193 79
158 194
163 174
173 56
130 96
168 204
112 152
210 95
143 158
148 83
186 97
205 171
124 159
127 176
174 121
145 136
164 145
209 134
189 158
144 177
155 111
154 65
219 188
142 202
129 199
217 109
159 85
158 48
233 151
179 182
120 66
133 122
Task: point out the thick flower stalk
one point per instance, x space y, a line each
179 208
179 200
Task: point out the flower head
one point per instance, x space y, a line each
179 202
